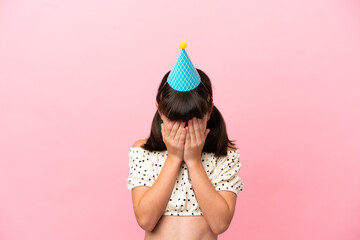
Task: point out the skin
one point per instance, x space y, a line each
183 144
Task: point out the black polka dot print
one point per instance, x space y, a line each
145 167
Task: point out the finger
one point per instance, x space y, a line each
198 135
191 130
174 130
178 133
203 124
168 128
187 138
182 136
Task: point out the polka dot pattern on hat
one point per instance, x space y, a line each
145 166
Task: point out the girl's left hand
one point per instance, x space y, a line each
196 133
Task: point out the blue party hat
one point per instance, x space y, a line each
183 77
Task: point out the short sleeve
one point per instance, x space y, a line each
225 175
140 168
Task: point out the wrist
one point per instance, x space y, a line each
192 157
193 162
174 159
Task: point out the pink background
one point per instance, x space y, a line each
77 87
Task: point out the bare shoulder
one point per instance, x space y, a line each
140 142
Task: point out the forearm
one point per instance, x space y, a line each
153 204
214 207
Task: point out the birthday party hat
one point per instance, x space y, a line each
183 77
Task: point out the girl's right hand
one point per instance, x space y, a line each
173 134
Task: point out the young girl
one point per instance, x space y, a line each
184 177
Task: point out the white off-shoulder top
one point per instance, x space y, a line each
145 166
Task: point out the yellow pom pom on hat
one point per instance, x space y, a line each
182 45
183 76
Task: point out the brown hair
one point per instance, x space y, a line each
182 106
